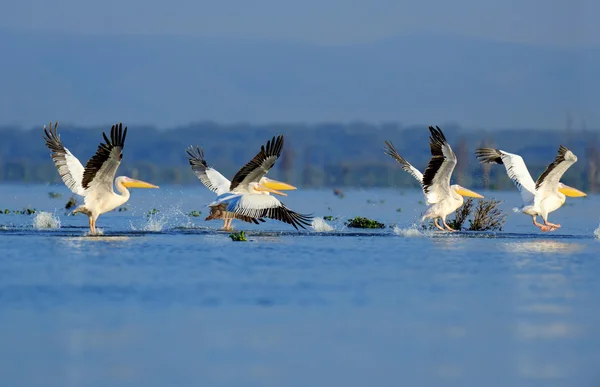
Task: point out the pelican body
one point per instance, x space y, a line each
216 182
248 196
441 197
542 197
94 181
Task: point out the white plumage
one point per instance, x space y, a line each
441 197
543 196
94 181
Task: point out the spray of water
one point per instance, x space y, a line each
43 220
409 232
320 225
597 232
165 217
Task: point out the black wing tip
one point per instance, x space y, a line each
562 150
274 146
437 135
196 156
489 156
117 135
51 133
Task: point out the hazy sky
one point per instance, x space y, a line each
556 22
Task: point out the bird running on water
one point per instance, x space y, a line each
543 196
94 181
441 197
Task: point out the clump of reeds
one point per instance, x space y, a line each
486 216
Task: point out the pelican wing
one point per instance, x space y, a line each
515 168
549 179
436 179
69 167
209 176
258 167
414 172
264 206
99 173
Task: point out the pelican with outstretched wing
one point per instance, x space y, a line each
216 182
94 181
249 192
543 196
441 197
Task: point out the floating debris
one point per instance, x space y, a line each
153 211
71 203
329 218
338 192
360 222
54 195
194 213
238 236
123 209
399 209
25 211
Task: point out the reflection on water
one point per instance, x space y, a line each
543 246
83 242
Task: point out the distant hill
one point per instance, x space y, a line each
170 81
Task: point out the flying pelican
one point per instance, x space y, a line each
95 181
216 182
545 195
249 191
441 197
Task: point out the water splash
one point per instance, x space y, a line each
320 225
153 223
597 232
43 220
409 232
169 217
99 231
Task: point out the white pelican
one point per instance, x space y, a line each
95 181
545 195
441 197
249 192
216 182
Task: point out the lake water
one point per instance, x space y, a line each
168 300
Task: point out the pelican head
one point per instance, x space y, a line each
462 191
570 191
266 185
128 182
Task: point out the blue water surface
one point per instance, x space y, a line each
169 300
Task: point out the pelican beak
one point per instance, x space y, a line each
274 186
467 192
133 183
572 192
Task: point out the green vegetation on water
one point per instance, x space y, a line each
360 222
238 236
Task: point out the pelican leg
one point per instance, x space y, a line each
435 221
541 226
446 225
552 225
91 225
